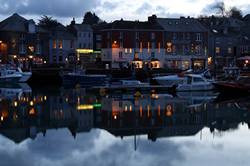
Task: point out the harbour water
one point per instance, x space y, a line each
58 126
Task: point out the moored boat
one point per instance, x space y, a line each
8 76
82 79
241 86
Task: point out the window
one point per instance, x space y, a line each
130 50
120 54
148 47
137 35
72 44
98 37
152 35
38 49
229 50
121 44
198 37
198 49
54 44
108 35
174 36
121 35
188 36
60 45
152 55
217 50
140 47
159 47
126 50
153 45
80 45
60 58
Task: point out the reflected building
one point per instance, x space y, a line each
154 115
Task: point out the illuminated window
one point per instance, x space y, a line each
54 43
126 50
140 47
169 47
60 44
159 47
148 47
229 50
217 50
130 50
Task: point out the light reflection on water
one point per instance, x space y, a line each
86 127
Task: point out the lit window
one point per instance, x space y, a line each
126 50
54 43
159 47
130 50
60 45
140 47
229 50
217 50
148 46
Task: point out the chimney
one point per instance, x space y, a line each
73 22
152 19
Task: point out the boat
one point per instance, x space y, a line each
194 82
172 81
80 78
9 76
241 86
25 76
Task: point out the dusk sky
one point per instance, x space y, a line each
109 10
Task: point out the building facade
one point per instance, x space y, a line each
157 43
22 41
125 42
185 43
84 42
61 45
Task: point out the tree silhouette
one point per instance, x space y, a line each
234 12
48 22
91 18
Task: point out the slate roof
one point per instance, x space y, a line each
82 27
17 23
140 25
181 25
61 32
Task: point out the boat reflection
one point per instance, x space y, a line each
154 115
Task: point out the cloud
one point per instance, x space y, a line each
58 8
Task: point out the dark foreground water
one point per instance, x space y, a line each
64 127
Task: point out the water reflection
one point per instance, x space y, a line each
134 122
